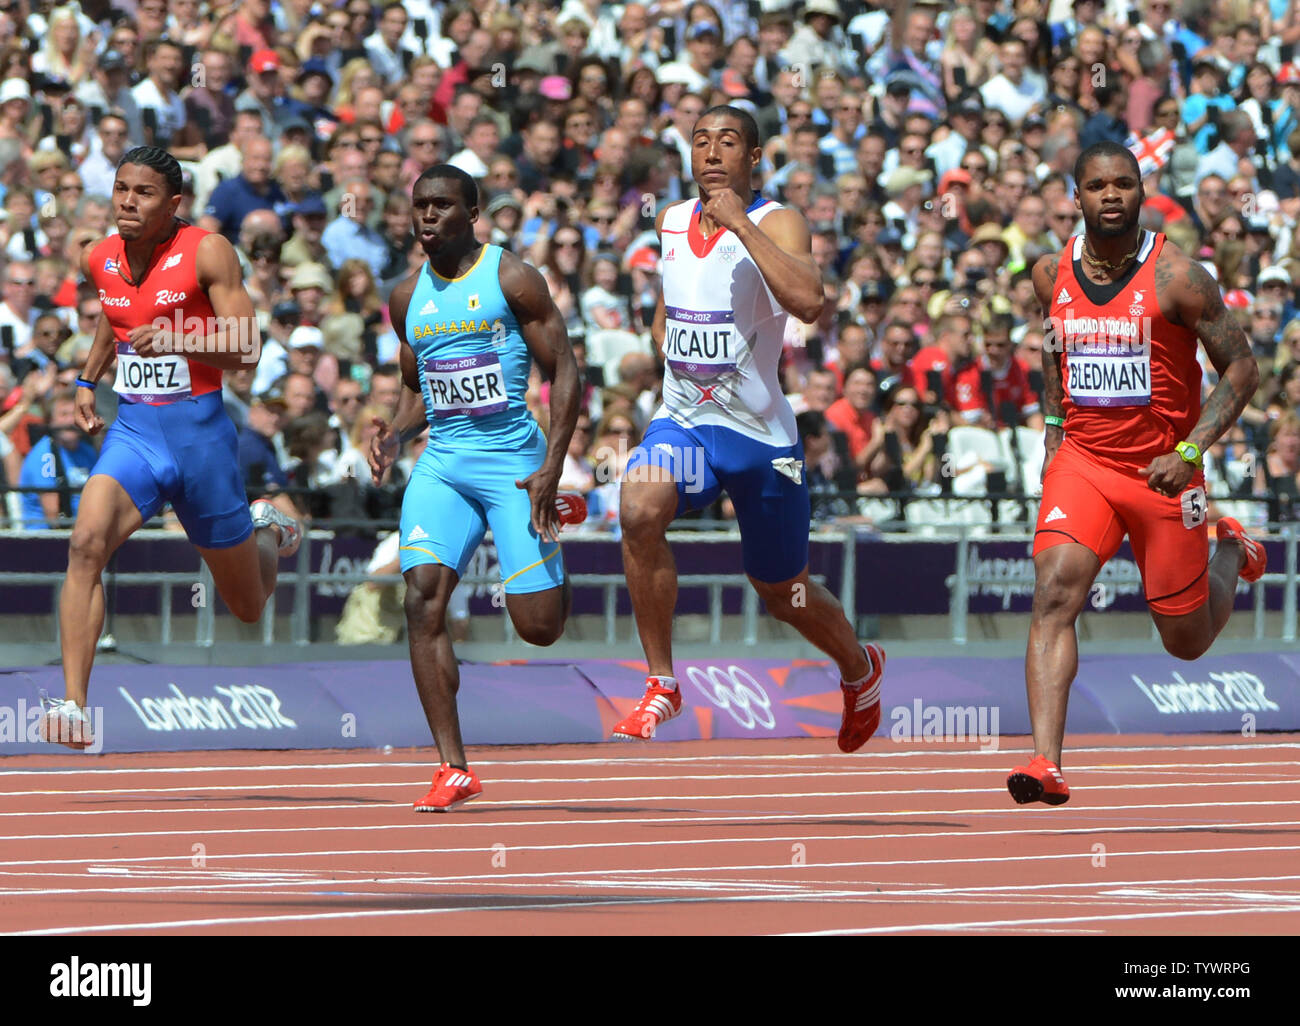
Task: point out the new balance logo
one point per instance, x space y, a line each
417 532
172 261
1056 514
429 308
1064 297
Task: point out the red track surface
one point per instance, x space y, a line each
1161 835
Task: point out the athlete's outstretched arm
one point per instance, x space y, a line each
233 340
1200 303
410 419
548 342
1044 278
782 247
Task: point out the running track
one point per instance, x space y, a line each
1190 835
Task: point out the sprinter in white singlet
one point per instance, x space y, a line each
736 268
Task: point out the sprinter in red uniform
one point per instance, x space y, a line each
175 314
1125 437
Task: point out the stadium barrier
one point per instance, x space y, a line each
374 704
961 573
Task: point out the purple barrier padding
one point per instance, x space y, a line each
371 704
893 577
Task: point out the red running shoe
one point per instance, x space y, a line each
658 705
1256 557
571 507
451 787
862 705
1040 781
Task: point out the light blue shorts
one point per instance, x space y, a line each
455 496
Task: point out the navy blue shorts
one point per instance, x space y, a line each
185 453
772 509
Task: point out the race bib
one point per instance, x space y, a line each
151 379
701 343
470 385
1109 375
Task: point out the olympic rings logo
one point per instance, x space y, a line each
734 690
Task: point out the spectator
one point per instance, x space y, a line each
60 463
855 415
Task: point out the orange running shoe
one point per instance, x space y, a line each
571 507
862 704
451 787
1256 557
1040 781
658 705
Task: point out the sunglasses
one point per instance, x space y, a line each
22 281
910 404
567 244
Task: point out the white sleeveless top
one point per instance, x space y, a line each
724 332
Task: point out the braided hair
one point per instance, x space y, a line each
159 160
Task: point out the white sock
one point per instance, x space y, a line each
665 682
871 668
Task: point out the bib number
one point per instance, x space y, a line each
148 379
1194 507
470 385
1106 379
701 343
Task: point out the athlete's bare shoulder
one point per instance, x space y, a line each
1046 268
524 288
1183 286
216 262
399 301
86 250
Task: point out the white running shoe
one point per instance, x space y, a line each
290 531
65 723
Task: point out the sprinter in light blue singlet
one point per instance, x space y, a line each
473 369
471 323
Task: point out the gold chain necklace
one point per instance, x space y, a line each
1106 265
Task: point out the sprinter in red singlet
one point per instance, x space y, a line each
175 315
1125 437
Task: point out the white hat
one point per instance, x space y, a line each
1275 273
903 178
303 336
827 7
469 162
15 89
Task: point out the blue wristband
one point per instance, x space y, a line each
83 383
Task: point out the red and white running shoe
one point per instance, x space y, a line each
658 705
1256 557
862 704
1040 781
571 507
451 787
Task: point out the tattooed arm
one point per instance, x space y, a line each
1201 305
1053 388
1198 303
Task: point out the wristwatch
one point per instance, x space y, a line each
1189 453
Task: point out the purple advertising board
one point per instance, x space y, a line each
892 577
373 704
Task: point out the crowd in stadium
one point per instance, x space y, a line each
930 148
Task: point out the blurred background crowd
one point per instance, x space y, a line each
930 147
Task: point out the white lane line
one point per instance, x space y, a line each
442 826
919 834
992 924
616 903
389 852
1168 768
918 749
200 792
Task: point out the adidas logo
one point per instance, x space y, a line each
172 261
429 308
417 532
458 780
1064 297
1056 514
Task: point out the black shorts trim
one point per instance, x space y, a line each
1174 594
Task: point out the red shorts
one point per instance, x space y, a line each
1095 505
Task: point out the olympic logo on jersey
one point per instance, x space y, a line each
734 690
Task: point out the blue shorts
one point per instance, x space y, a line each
185 453
453 498
772 510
